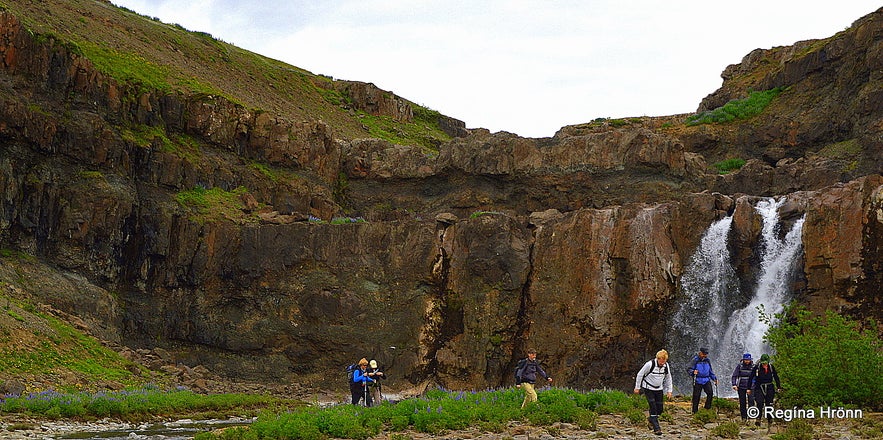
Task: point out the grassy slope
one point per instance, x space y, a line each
42 352
169 57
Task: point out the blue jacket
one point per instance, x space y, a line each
360 376
706 373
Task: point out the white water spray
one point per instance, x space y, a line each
745 330
714 314
708 280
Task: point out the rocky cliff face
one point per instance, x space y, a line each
572 244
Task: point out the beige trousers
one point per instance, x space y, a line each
530 394
376 396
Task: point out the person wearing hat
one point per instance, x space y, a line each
360 383
761 385
526 376
703 376
374 372
740 381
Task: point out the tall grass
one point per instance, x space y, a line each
753 105
435 413
729 165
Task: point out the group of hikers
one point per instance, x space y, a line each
756 384
365 382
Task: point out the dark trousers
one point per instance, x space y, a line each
697 394
654 401
359 392
745 400
763 395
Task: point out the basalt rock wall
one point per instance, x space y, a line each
573 245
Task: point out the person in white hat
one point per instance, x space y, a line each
375 373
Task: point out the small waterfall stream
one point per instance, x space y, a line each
714 313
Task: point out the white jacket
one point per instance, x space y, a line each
653 377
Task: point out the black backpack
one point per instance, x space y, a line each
350 371
518 367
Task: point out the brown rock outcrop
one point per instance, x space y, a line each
573 244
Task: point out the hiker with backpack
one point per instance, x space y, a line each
741 381
654 380
526 376
761 385
359 383
703 376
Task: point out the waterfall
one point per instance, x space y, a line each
745 331
713 313
708 280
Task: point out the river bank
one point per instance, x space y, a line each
679 423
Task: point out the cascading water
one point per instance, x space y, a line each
714 314
707 281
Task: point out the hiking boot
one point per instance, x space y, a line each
757 422
654 425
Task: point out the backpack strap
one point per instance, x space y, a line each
652 362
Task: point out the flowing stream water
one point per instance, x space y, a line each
179 430
715 314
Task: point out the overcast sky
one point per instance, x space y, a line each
527 67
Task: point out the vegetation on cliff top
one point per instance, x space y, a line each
152 56
737 109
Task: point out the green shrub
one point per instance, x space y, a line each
635 416
345 220
704 416
753 105
868 428
729 165
587 420
725 404
726 430
214 203
798 429
826 360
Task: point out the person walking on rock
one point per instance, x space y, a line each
526 376
654 380
741 381
762 377
703 376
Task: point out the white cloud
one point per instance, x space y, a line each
528 67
